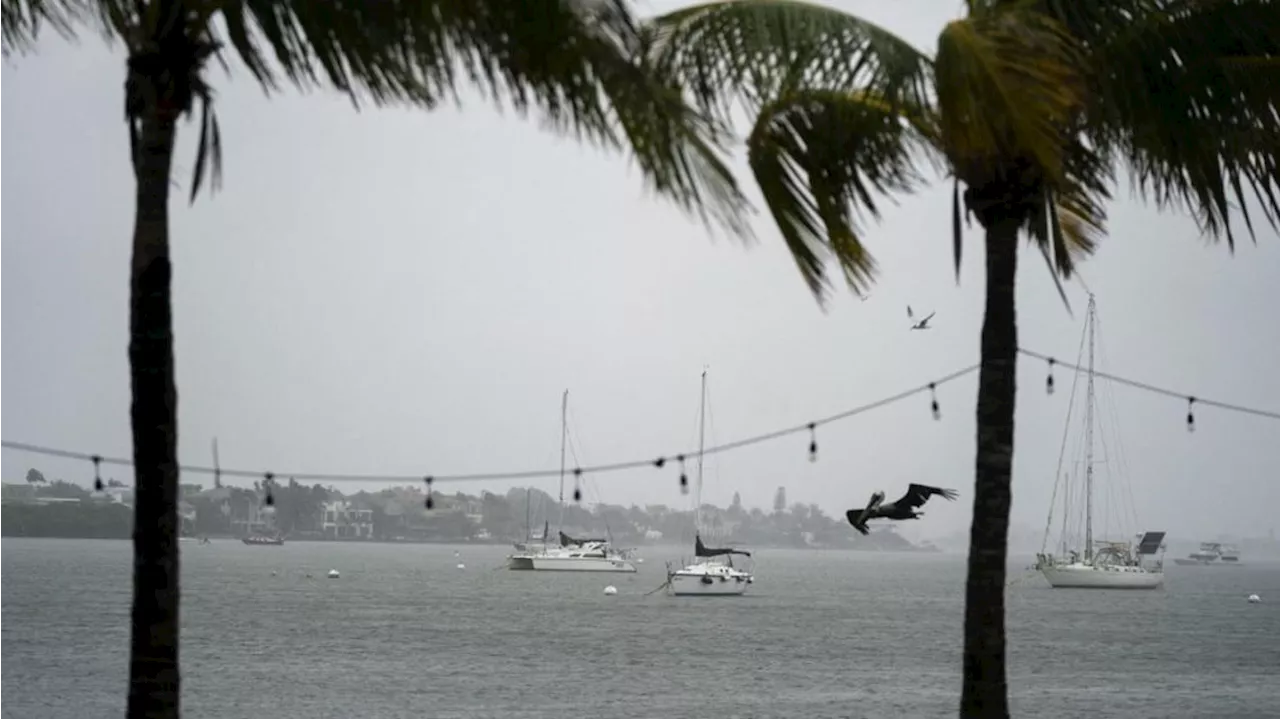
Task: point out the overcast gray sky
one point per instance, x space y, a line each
401 292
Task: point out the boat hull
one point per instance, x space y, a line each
1083 576
693 586
708 579
537 563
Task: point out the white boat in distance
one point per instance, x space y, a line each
571 555
708 575
1211 554
1104 565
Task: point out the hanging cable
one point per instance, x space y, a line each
1192 399
810 427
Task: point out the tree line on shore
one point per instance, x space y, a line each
299 511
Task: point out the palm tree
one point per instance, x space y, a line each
575 61
1030 106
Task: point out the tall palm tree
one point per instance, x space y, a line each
1030 106
575 61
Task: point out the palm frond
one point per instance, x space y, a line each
748 49
21 21
823 159
1187 93
577 62
1008 81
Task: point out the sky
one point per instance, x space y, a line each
400 292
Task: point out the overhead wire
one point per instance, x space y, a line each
658 462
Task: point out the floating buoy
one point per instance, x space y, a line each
610 590
1255 599
461 565
640 560
308 575
333 574
274 572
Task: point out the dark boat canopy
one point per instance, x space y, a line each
703 550
567 541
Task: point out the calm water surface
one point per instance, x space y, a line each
404 633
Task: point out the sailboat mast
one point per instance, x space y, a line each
702 438
217 470
1088 439
564 438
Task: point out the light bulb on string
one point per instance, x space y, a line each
933 401
684 478
1048 382
97 472
813 442
1191 416
430 502
267 479
577 487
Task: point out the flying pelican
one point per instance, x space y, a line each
904 508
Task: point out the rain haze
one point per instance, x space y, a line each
396 292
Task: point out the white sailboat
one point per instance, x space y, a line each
712 572
1097 564
570 554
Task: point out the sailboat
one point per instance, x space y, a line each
570 554
1097 564
712 573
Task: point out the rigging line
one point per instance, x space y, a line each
1122 463
1160 390
1062 451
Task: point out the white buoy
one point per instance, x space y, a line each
274 572
461 565
610 590
1255 599
333 574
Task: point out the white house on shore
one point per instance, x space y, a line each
344 520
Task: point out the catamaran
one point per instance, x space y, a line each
712 572
569 555
1093 563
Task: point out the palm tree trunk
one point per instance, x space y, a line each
153 661
985 688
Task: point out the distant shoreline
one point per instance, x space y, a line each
912 549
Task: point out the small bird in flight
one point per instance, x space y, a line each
904 508
922 324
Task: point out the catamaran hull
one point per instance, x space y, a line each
693 586
570 564
1087 577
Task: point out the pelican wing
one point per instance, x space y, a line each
918 494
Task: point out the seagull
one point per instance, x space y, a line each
922 324
904 508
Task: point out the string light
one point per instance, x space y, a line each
1153 389
1048 382
267 479
577 484
660 462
